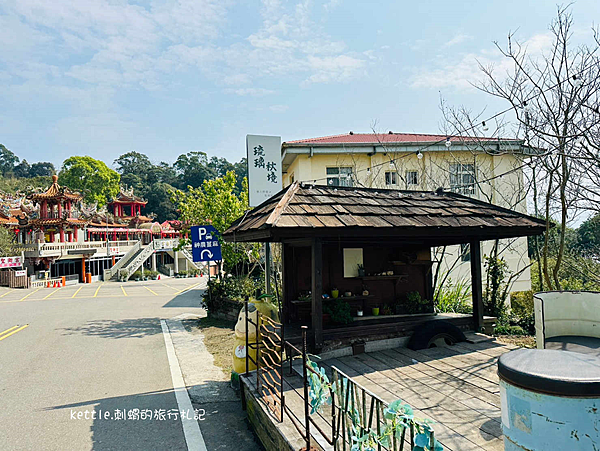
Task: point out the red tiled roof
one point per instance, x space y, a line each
384 138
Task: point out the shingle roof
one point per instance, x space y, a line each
302 210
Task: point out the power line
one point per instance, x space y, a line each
447 140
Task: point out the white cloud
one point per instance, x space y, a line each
458 39
331 5
464 71
279 108
253 92
83 57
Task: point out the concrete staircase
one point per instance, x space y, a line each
113 273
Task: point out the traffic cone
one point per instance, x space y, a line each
159 277
54 285
59 284
196 275
48 284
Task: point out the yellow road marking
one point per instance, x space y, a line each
13 332
78 290
9 291
8 330
26 296
124 292
151 291
188 288
167 285
50 294
97 289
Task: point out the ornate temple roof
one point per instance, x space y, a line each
126 196
56 192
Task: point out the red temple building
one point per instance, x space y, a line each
63 237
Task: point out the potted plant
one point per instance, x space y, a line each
375 311
361 270
339 310
359 312
123 275
387 310
335 293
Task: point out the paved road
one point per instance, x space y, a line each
85 348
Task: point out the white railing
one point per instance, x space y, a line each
60 249
112 272
188 255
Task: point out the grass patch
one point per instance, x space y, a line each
219 339
524 341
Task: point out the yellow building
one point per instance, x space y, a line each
487 169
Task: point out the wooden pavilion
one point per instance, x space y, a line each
373 245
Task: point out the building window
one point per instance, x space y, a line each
391 178
339 176
462 178
412 178
465 252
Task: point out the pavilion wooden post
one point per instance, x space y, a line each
285 279
317 293
268 268
476 284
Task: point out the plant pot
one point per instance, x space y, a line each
361 273
375 311
335 294
359 313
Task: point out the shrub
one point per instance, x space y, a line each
509 330
521 314
136 275
416 304
339 310
229 288
455 297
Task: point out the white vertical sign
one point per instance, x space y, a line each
264 167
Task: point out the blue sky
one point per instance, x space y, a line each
103 77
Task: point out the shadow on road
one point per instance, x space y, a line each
125 328
187 299
150 421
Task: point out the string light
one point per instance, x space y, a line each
368 171
391 163
577 81
419 155
522 106
484 127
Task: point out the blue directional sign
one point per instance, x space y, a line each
205 244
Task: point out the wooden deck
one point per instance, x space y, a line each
457 387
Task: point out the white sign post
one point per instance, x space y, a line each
264 167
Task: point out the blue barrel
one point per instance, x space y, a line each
550 400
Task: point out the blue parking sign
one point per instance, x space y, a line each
205 244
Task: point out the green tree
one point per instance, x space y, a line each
153 182
93 178
22 169
8 160
8 244
193 169
42 169
216 203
